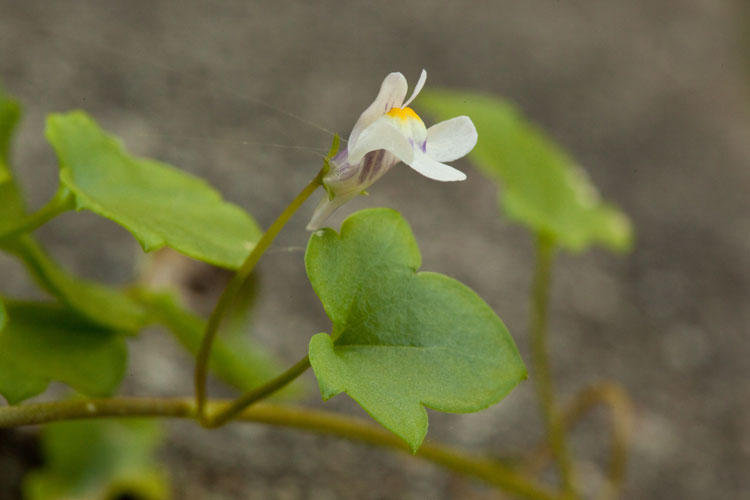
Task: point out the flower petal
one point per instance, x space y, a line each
451 139
417 88
433 169
391 95
382 134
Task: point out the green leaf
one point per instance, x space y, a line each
102 304
10 113
235 359
99 303
43 342
99 460
402 339
157 203
11 203
15 384
542 186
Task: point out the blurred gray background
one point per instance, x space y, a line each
651 96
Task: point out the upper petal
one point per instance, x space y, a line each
451 139
417 88
391 95
433 169
382 134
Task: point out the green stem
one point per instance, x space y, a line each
617 400
61 202
322 422
239 404
621 413
540 360
235 285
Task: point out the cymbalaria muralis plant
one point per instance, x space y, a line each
401 339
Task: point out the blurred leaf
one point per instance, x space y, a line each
542 187
10 113
43 342
402 339
16 384
11 204
102 304
235 359
157 203
99 460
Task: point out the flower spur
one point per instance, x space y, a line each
388 132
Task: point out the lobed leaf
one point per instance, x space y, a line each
402 339
43 342
157 203
542 187
102 459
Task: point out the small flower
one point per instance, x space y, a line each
388 132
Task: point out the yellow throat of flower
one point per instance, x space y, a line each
404 114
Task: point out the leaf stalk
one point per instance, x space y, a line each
234 286
61 202
545 249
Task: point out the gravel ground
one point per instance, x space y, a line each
650 95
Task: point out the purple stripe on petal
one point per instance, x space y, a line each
370 165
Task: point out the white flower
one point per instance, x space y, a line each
388 132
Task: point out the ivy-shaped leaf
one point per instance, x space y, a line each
402 339
43 342
102 459
541 186
157 203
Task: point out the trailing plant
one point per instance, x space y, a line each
401 339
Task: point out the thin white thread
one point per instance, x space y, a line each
98 45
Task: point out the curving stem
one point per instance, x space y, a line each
234 286
545 249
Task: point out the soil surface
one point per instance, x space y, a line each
651 96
